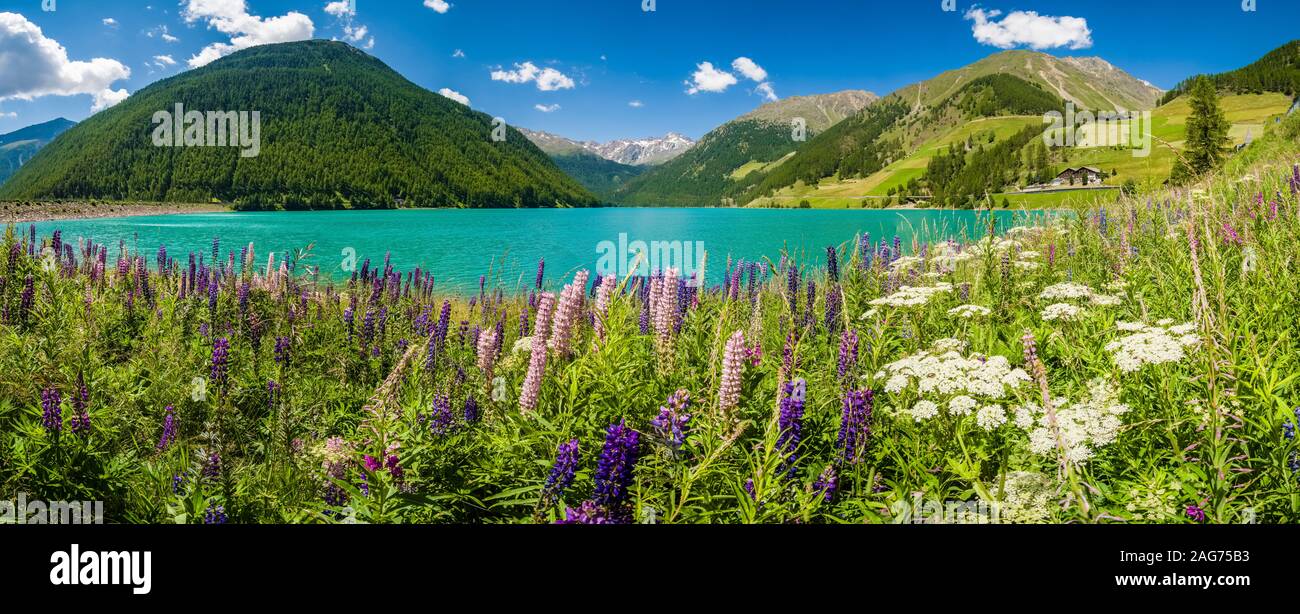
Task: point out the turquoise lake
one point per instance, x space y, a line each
505 244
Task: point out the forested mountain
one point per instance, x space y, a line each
1278 71
893 127
602 177
338 128
19 146
709 173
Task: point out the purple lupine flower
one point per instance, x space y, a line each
1196 513
832 264
792 288
214 292
52 403
441 419
614 471
80 422
898 247
28 298
848 352
216 514
212 468
242 296
790 424
671 423
178 483
560 478
169 429
282 352
587 513
834 300
864 251
541 269
855 425
749 489
220 356
471 409
827 483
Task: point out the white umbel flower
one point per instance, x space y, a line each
1062 311
970 311
1150 345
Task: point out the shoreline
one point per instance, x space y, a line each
13 212
16 212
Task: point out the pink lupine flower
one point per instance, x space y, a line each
733 363
664 312
603 295
537 360
566 315
487 352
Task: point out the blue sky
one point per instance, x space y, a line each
605 69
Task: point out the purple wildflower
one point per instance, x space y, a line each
827 483
855 426
220 358
790 423
1196 513
671 423
169 429
848 353
567 456
614 471
52 403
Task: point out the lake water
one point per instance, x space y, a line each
460 245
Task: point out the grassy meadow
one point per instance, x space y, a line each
1133 363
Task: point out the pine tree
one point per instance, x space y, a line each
1207 134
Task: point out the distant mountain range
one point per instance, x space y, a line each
338 128
19 146
751 143
630 152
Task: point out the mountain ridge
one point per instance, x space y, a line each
341 129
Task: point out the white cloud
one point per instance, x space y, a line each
161 32
110 22
8 115
340 8
458 54
454 95
35 66
749 69
231 17
438 6
547 79
709 79
765 89
108 98
636 104
1029 29
547 108
165 59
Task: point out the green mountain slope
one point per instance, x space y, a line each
339 128
708 173
1278 71
893 131
19 146
891 143
602 177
